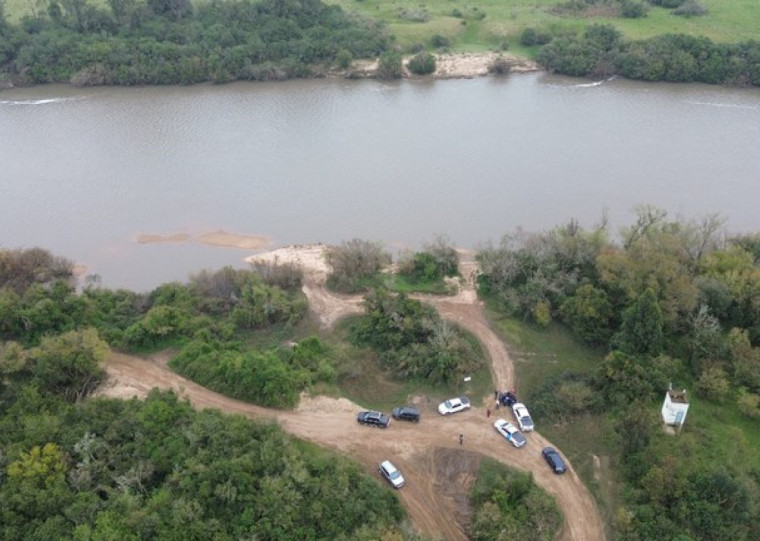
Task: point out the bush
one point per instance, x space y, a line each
670 4
531 36
749 403
344 58
632 9
391 65
690 8
422 64
415 15
440 42
499 66
353 261
713 384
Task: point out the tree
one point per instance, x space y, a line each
69 364
390 65
589 314
172 9
422 64
744 359
641 329
353 261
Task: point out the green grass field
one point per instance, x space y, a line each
481 25
727 21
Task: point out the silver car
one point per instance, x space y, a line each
510 432
391 473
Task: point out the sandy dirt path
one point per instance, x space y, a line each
439 471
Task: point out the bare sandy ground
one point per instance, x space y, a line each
438 470
219 238
451 66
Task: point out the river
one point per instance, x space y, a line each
84 172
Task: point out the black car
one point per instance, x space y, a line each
407 413
554 460
374 418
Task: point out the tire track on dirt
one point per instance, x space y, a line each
439 471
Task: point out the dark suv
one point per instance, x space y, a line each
407 413
554 460
374 418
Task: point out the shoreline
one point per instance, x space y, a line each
448 66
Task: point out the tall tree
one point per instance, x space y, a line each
641 330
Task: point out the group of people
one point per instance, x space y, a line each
506 398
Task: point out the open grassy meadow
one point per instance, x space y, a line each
480 25
487 24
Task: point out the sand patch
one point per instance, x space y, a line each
310 258
161 239
221 238
233 240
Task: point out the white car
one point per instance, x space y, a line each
523 417
453 405
391 473
510 432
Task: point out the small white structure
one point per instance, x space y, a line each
674 408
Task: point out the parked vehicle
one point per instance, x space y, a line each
391 473
523 417
510 432
406 413
508 399
454 405
554 460
374 418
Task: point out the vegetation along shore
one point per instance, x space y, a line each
152 42
248 382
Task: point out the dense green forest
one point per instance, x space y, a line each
601 51
132 42
158 469
174 42
675 301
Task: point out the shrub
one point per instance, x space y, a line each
749 403
440 42
531 36
283 275
422 64
499 66
391 65
344 58
632 9
713 383
690 8
415 15
415 48
354 260
670 4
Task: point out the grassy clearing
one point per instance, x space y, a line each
363 380
542 353
727 21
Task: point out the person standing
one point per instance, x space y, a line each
461 439
488 412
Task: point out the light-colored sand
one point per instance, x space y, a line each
161 239
220 237
453 65
233 240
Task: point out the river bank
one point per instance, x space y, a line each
448 66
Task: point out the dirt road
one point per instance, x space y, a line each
439 471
